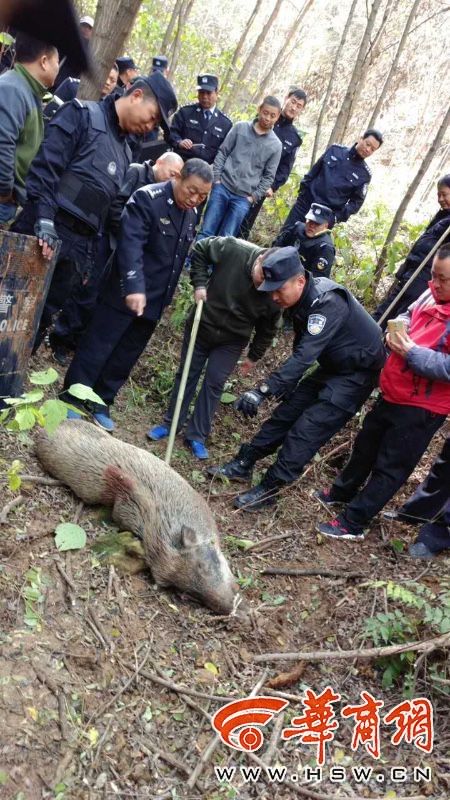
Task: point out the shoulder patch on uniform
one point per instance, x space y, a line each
154 193
316 323
322 264
368 168
342 146
79 103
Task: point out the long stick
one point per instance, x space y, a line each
413 276
184 376
374 652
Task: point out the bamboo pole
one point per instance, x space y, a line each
184 376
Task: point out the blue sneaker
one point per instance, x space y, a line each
158 432
73 414
198 449
103 419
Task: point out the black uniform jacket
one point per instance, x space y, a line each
339 179
189 123
330 327
316 253
154 239
290 140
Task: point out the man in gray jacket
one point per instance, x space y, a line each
244 169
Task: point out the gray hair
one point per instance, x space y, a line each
198 167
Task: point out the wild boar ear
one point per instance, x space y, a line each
189 537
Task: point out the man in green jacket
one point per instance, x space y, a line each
234 311
21 122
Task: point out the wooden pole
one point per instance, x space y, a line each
184 376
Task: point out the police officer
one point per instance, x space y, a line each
330 327
291 140
157 229
67 331
160 64
128 71
339 179
198 130
76 174
420 249
312 240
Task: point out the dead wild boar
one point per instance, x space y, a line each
149 498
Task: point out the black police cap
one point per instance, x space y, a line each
164 93
124 63
51 21
320 213
280 265
159 63
209 83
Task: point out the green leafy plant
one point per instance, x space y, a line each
417 608
182 304
33 597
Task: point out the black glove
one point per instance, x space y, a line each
250 402
45 231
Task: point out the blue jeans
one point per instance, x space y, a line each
224 213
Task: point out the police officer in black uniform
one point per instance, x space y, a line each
339 179
312 240
157 229
419 251
330 327
198 130
291 140
75 176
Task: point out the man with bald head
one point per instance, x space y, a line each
78 310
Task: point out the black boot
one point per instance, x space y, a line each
239 468
263 495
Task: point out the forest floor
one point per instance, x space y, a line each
107 683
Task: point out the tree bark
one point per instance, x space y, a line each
248 63
240 44
283 53
356 78
394 65
113 22
399 214
170 27
337 56
183 16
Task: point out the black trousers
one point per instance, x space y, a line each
76 261
431 500
298 210
392 440
108 351
303 422
413 291
250 219
220 362
79 306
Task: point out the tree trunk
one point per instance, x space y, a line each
356 78
171 25
183 17
337 56
283 52
249 61
240 44
113 22
399 214
390 75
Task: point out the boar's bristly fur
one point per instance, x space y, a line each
149 498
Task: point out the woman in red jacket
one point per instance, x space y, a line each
397 431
